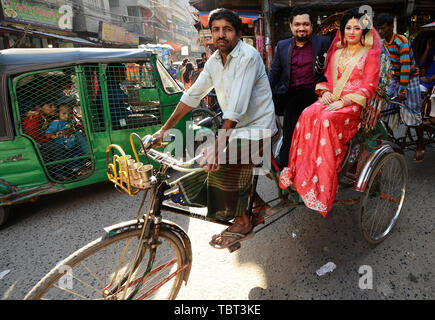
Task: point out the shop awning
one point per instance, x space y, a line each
72 39
53 35
248 17
176 47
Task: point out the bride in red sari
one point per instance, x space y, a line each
319 142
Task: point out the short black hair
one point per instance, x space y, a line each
203 54
384 19
299 10
349 14
230 16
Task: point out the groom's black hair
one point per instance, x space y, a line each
299 10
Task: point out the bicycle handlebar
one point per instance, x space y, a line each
148 143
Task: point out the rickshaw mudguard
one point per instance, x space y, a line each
165 224
374 158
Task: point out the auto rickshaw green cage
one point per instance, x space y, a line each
61 108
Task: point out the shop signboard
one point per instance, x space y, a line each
131 38
205 37
24 12
113 33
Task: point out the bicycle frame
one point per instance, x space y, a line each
159 185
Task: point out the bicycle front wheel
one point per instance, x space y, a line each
101 270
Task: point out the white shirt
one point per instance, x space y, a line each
242 89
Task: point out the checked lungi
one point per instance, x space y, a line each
224 192
411 111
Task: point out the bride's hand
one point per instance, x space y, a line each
326 98
335 106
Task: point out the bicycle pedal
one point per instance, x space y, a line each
234 247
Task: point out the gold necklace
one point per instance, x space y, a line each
352 49
344 59
347 55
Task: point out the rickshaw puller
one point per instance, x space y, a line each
237 73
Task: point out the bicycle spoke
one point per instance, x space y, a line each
160 284
121 259
86 284
154 272
383 213
71 292
93 274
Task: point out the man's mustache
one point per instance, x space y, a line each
223 39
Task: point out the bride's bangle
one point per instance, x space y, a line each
342 101
323 92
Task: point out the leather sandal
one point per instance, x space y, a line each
238 237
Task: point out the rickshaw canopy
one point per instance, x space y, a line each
14 61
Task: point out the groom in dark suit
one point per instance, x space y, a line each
296 69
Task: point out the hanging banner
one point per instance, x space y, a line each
22 12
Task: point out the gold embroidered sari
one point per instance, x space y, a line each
320 138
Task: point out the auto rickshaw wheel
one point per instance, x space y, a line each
4 214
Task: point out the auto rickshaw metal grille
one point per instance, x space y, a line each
94 98
122 96
50 114
127 111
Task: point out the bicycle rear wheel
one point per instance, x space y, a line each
383 198
100 270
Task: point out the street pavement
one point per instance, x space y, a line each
280 263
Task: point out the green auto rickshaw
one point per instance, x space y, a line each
61 108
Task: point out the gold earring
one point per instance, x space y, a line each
363 41
344 41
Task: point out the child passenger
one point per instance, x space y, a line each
62 131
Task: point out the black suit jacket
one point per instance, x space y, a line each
279 75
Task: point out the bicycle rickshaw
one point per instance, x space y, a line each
150 258
108 93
